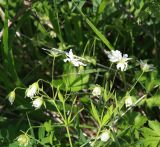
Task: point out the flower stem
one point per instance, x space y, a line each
69 136
140 99
136 82
66 124
19 88
52 76
96 136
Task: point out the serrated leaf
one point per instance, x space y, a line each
147 132
151 142
139 121
151 136
107 116
153 101
95 113
155 125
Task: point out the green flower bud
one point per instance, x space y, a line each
146 67
11 97
23 140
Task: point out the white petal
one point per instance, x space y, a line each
105 136
70 55
128 102
125 55
114 56
67 59
96 91
122 66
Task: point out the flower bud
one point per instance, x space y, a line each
105 136
11 97
32 90
23 140
146 67
96 91
128 101
37 103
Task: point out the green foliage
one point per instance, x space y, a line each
62 109
151 135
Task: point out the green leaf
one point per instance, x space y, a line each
48 126
54 18
5 33
102 6
153 101
95 113
96 31
155 125
13 145
8 58
139 121
41 133
107 116
60 96
151 135
72 80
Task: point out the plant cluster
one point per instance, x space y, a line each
77 73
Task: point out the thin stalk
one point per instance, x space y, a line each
19 88
130 108
69 136
136 82
52 76
66 124
59 111
99 130
44 81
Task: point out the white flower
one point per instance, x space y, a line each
128 101
105 136
37 103
11 97
146 67
23 140
32 90
122 64
96 91
71 58
116 57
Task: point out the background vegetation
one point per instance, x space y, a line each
90 28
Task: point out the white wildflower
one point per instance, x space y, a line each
114 56
11 97
122 64
32 90
121 60
23 140
37 103
96 91
128 101
146 67
105 136
71 58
